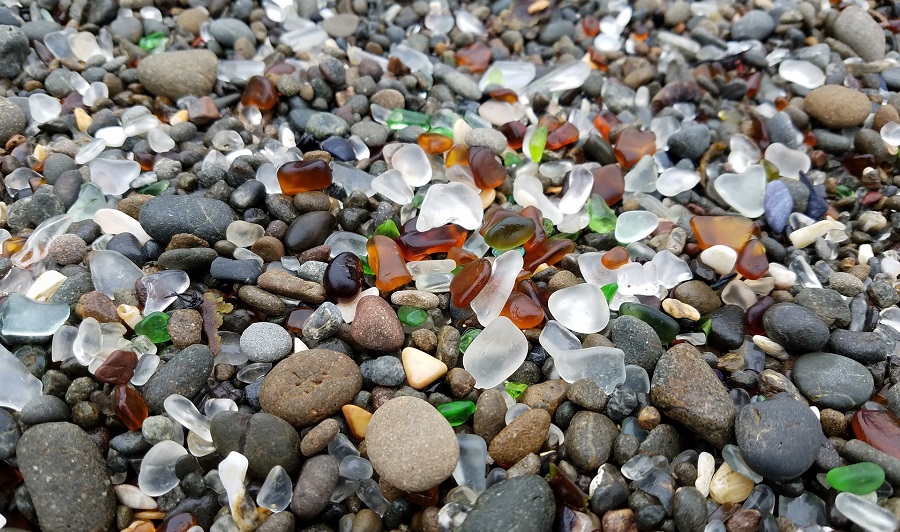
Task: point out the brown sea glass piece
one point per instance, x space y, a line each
416 245
476 57
343 276
753 323
434 143
469 281
878 428
615 258
605 121
129 406
297 318
522 311
632 145
590 25
118 368
387 263
12 245
539 234
304 176
504 95
10 477
563 136
752 262
515 134
549 252
261 92
487 170
510 233
731 231
460 256
458 154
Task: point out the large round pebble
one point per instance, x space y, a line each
833 381
796 328
523 504
266 342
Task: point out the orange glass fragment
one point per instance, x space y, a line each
504 95
590 25
552 123
549 253
486 168
476 57
129 406
304 176
565 135
752 262
615 258
605 121
469 281
297 318
540 236
460 256
878 428
458 154
416 245
731 231
387 263
515 134
434 143
261 92
493 216
632 145
522 311
146 160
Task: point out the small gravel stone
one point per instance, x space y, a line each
324 125
184 375
524 435
638 340
314 487
185 327
319 437
177 74
488 138
266 342
589 440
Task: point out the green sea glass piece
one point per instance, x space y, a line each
467 339
860 479
457 412
412 316
154 327
666 327
402 118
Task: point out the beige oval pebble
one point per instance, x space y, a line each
728 486
678 310
411 445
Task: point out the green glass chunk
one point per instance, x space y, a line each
367 270
467 338
509 233
154 327
549 228
412 316
844 191
498 252
609 291
442 131
155 189
860 479
417 200
152 41
666 327
456 270
457 412
515 389
705 325
772 172
402 118
388 228
511 159
537 143
602 218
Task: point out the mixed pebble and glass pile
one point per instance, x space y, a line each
449 266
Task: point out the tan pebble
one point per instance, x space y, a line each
538 6
487 197
151 515
729 486
648 418
526 434
180 116
82 120
357 419
40 152
421 368
678 309
318 437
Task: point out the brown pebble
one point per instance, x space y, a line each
563 279
547 395
312 201
461 382
621 520
185 327
224 372
118 368
268 248
834 424
648 418
424 340
317 155
261 300
526 434
186 241
318 438
597 340
97 305
883 115
743 521
67 249
320 253
284 284
376 326
490 413
132 204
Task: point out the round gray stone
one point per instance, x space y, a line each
266 441
383 371
864 347
833 381
184 375
45 409
266 342
371 133
690 142
488 138
177 74
779 438
317 481
228 30
638 340
589 440
12 119
524 504
754 25
13 50
796 328
324 125
166 216
858 30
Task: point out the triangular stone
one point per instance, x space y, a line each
421 368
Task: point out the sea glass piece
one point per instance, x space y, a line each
114 222
413 163
114 176
157 474
666 327
450 203
671 270
232 472
154 327
469 282
304 176
632 145
632 226
492 297
866 514
183 411
789 162
457 412
496 353
752 262
387 262
534 142
642 177
38 243
602 365
487 170
860 478
276 491
470 470
111 271
22 316
744 192
720 258
581 308
674 181
393 186
18 384
803 73
260 92
90 200
514 75
563 78
43 107
731 231
878 428
510 233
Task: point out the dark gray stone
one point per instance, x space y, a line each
689 510
66 478
827 304
589 440
317 481
265 440
165 216
863 347
638 340
779 438
727 327
754 25
44 409
690 142
184 375
324 125
383 371
9 435
523 504
13 50
796 328
833 381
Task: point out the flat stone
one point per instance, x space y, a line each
166 216
66 478
827 304
266 441
341 25
317 481
796 328
523 504
184 375
833 381
853 110
177 74
309 386
685 388
863 347
319 437
411 445
638 340
266 342
779 438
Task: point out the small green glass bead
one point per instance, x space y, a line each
412 316
511 159
457 412
602 218
537 143
860 479
402 118
389 229
456 270
705 325
417 200
609 291
467 338
154 327
515 389
844 191
155 189
666 327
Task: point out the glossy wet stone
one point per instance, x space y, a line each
343 276
832 381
